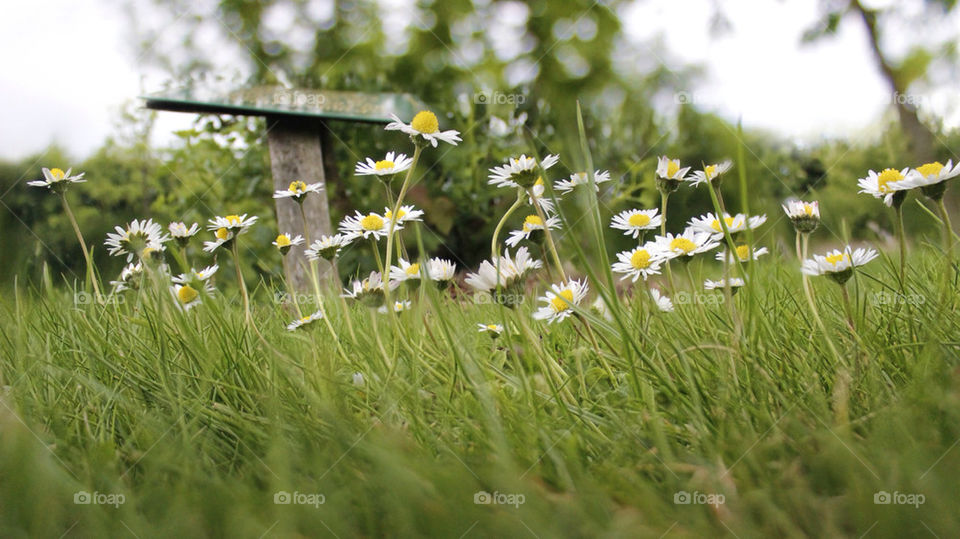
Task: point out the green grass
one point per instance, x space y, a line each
198 421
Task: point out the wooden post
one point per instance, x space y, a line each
296 154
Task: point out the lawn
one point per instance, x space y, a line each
817 403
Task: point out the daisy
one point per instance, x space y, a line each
440 270
642 261
298 190
424 129
139 238
709 173
296 324
634 222
531 225
734 284
405 272
368 291
581 178
56 179
326 247
186 296
838 265
195 276
710 224
511 270
493 329
884 185
226 229
600 307
538 189
390 165
398 307
128 277
520 171
357 379
805 215
372 225
404 214
687 243
663 302
669 169
181 233
743 253
284 242
930 177
559 300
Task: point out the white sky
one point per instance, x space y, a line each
67 68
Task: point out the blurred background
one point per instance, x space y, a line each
824 90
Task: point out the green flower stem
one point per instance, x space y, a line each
494 251
393 222
235 251
903 249
91 275
664 195
947 234
314 279
808 292
549 236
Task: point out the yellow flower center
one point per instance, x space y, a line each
930 169
639 220
297 187
57 173
808 209
491 327
400 213
672 168
384 165
186 294
222 234
371 222
233 219
558 302
283 240
305 319
743 252
682 244
414 269
640 259
710 171
888 175
425 122
539 181
718 227
532 221
835 259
